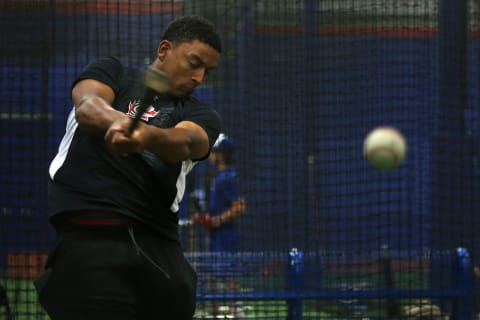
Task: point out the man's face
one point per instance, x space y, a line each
188 64
213 157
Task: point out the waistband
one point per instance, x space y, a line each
100 221
95 218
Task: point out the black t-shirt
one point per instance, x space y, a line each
84 175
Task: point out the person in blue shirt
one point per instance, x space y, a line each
221 222
226 204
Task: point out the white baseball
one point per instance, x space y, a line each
385 148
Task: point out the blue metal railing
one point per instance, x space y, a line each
294 290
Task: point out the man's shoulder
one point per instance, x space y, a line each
113 64
106 62
226 175
194 106
193 101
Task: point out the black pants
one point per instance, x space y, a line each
116 272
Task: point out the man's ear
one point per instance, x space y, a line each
163 48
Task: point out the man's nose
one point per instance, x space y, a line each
198 76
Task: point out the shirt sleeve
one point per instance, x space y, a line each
208 119
107 70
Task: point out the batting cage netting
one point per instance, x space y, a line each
299 86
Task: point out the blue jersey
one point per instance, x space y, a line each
223 192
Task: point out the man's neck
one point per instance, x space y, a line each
222 167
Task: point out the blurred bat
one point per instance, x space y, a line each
156 82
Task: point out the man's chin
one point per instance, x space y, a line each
181 93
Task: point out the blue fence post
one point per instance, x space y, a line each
388 281
295 282
464 278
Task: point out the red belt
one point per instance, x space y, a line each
90 218
98 222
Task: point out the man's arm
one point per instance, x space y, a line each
186 140
93 111
236 210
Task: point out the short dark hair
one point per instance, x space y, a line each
193 27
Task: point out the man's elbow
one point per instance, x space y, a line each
240 207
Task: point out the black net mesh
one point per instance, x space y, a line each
300 85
